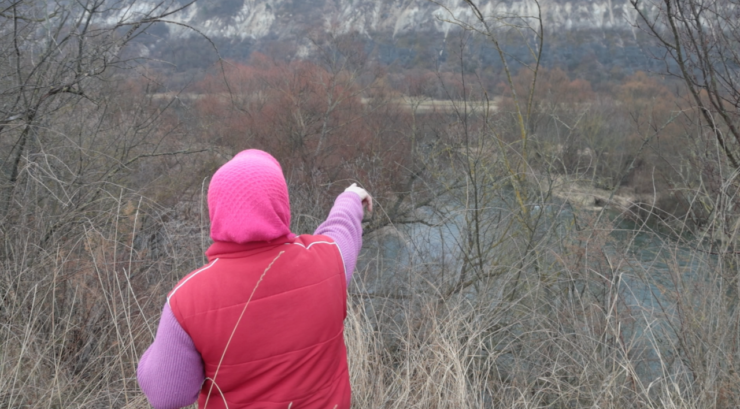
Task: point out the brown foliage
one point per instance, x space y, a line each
314 121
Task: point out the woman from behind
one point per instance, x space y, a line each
261 324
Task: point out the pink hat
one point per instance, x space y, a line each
248 199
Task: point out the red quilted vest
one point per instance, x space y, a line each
288 349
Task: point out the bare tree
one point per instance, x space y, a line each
701 39
74 126
54 56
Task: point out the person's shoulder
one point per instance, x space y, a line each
318 250
317 245
190 277
310 240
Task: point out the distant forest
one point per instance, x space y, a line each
594 55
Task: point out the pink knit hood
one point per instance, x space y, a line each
248 199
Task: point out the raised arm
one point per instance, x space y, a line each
171 371
344 225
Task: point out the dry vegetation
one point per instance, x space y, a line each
477 288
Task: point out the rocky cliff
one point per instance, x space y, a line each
409 32
258 19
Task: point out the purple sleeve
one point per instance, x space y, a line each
344 225
171 371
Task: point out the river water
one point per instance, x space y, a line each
650 266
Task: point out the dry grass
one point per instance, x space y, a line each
77 316
566 328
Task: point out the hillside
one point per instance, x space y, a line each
405 32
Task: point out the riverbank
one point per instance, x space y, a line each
581 193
